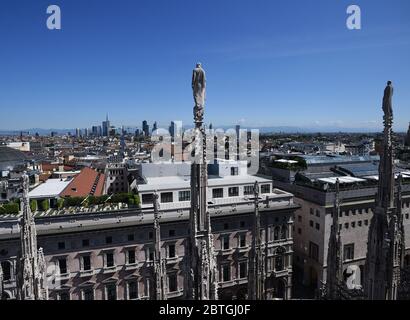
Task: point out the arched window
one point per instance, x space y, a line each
276 233
284 232
280 259
6 267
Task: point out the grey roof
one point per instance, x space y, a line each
10 157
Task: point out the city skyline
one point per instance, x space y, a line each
132 61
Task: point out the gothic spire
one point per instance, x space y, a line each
159 263
202 278
31 273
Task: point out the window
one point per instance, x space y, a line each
172 283
300 218
234 171
226 273
61 245
348 251
242 224
108 240
171 251
311 223
171 233
226 226
109 259
313 251
359 223
242 240
150 235
243 269
265 188
317 213
347 225
132 290
217 193
366 222
311 211
184 195
247 190
147 198
86 242
233 191
149 254
147 286
317 226
62 265
299 231
88 294
407 215
86 261
64 295
225 242
284 232
353 224
166 197
276 233
347 213
131 237
279 265
6 266
131 256
111 291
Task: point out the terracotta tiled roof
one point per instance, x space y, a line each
88 181
49 167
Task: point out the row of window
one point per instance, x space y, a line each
130 258
61 245
132 291
167 197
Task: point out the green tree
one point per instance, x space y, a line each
33 205
45 205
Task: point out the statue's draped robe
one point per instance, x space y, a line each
198 86
387 101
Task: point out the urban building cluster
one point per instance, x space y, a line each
90 216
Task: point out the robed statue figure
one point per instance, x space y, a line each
387 101
198 88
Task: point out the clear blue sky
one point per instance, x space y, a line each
268 63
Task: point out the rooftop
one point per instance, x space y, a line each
49 189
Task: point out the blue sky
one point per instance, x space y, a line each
268 63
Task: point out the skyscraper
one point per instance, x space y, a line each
145 128
154 127
106 127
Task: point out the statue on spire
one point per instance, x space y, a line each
198 88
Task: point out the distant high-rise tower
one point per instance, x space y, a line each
106 127
386 245
145 128
154 127
31 278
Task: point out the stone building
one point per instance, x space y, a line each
314 190
108 254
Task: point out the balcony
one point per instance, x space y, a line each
63 276
131 266
173 260
86 273
226 252
175 294
111 269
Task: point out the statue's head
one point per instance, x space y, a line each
389 83
199 65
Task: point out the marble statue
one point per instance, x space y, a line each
198 88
